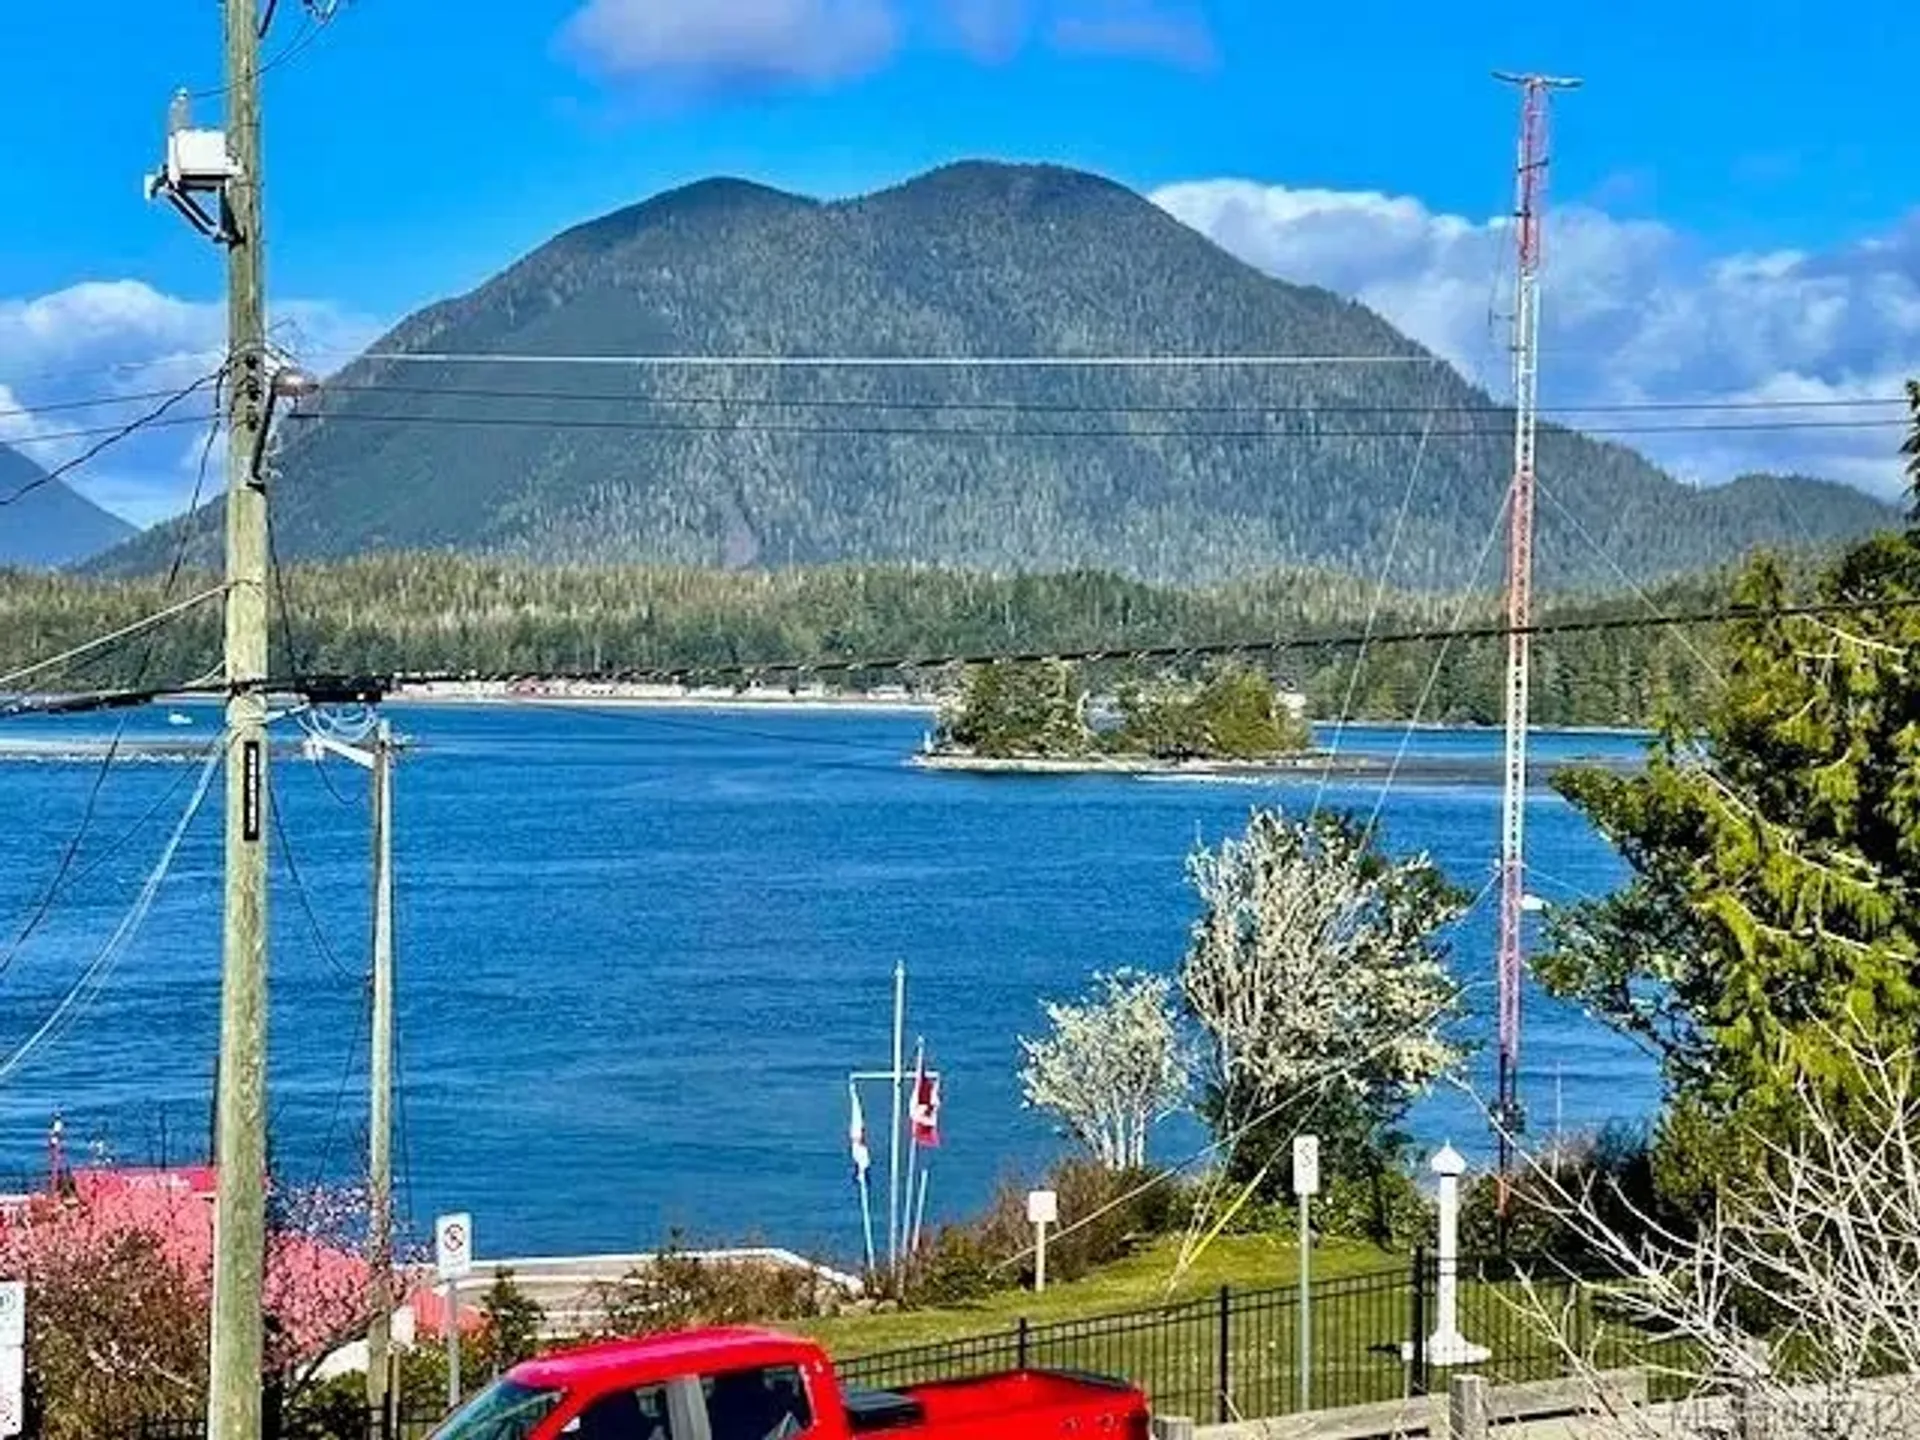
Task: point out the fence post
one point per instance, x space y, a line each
1417 1377
1022 1345
1467 1408
1749 1400
1226 1351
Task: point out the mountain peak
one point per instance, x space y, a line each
1028 186
722 197
46 523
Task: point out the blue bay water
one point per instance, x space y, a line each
639 950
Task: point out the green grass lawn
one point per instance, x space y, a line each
1144 1278
1361 1319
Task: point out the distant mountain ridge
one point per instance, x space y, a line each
1169 474
50 524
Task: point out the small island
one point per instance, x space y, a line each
1039 717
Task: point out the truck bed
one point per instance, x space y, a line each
1028 1403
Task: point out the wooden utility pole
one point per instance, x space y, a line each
380 1069
240 1141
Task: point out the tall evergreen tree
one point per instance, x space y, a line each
1775 848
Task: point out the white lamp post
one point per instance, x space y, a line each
1447 1346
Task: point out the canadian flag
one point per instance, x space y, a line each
857 1137
924 1112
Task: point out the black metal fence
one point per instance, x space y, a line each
1236 1352
296 1422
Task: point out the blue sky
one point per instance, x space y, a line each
1737 184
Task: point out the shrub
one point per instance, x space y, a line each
678 1289
1614 1167
1105 1214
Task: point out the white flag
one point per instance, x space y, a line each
857 1137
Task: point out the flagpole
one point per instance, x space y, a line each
893 1136
913 1144
866 1219
920 1210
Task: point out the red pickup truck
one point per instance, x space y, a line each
738 1384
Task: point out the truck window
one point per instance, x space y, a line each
769 1403
502 1411
624 1415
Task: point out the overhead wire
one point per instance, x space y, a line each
43 907
1076 407
1433 673
897 362
321 945
1620 572
1373 615
111 637
1111 432
990 406
110 436
93 977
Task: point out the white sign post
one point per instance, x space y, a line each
1306 1184
13 1357
453 1258
1043 1209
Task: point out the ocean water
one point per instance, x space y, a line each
639 951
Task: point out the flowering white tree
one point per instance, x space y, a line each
1318 977
1110 1066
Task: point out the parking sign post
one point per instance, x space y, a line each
453 1258
1306 1184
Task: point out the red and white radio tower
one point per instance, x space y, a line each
1529 215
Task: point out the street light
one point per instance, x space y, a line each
377 759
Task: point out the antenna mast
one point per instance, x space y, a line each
1529 214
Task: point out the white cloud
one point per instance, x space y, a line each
1633 311
1139 29
696 48
703 45
91 357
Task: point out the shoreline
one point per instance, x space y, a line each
1350 766
666 698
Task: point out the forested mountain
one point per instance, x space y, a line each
450 613
1184 475
49 523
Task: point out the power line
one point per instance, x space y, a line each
1017 407
82 991
113 435
1036 407
901 362
112 637
70 852
322 946
938 432
87 402
367 688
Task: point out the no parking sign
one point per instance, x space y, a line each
453 1246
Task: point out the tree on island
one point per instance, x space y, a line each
1039 710
1111 1066
1233 713
1008 709
1774 847
1317 974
